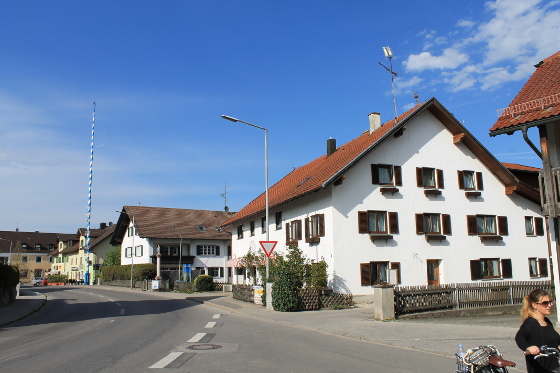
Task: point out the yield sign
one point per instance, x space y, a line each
268 247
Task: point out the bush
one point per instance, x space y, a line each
204 283
122 272
9 276
285 291
57 279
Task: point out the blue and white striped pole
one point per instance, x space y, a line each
88 226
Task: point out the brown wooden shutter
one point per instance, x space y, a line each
199 250
479 183
539 228
218 253
375 174
502 226
298 230
506 268
446 224
398 175
365 274
288 239
363 222
393 223
461 179
476 270
543 267
321 218
419 177
419 223
397 266
472 229
307 231
440 183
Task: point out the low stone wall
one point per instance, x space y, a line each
7 295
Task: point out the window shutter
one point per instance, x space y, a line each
321 218
419 223
446 223
506 268
476 270
398 175
419 177
198 249
471 225
461 179
288 238
298 230
393 222
363 222
539 228
502 225
307 231
543 267
221 271
218 253
365 274
479 183
397 266
375 174
440 184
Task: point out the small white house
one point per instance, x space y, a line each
415 201
186 239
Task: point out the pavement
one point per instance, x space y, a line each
436 336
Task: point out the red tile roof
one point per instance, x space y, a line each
515 166
538 99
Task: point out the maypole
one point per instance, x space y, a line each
88 226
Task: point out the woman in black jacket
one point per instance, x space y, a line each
536 331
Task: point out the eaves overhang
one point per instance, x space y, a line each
519 127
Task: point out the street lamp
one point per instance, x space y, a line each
133 249
10 258
180 253
266 179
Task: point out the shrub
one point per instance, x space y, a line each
122 272
318 275
9 276
204 283
56 279
284 291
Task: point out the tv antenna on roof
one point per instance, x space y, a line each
224 194
389 55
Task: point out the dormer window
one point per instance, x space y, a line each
37 246
201 228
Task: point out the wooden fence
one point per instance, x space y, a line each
414 299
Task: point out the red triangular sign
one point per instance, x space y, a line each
268 247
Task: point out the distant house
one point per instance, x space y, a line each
416 201
183 237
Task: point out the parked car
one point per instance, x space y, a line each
38 280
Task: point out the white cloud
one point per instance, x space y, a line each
402 84
465 23
449 59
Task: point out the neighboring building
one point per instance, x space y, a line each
30 251
183 237
416 201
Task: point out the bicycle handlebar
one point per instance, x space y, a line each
547 351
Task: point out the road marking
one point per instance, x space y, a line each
210 325
197 337
167 360
118 304
216 316
122 311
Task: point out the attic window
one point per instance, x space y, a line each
201 228
304 181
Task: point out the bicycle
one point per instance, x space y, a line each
484 359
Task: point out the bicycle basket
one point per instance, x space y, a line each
480 356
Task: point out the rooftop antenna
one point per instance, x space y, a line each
224 194
389 55
88 215
416 97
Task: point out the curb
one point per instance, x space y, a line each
20 317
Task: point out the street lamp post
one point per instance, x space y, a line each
180 253
11 242
133 249
266 179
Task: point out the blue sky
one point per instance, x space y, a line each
163 72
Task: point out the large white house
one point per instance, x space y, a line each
415 201
183 236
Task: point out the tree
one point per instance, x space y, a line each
113 257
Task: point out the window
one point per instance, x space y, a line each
37 246
24 246
470 180
23 274
130 231
378 222
207 250
293 232
169 250
3 260
127 252
376 273
139 250
314 228
37 259
24 259
433 224
534 226
263 224
485 225
490 268
278 220
216 271
240 231
385 174
201 228
538 267
252 227
429 177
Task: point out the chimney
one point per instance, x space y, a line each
102 225
374 122
331 146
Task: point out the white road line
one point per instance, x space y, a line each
210 324
118 304
197 337
167 360
122 311
216 316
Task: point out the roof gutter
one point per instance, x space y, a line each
511 130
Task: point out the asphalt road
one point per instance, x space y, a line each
99 330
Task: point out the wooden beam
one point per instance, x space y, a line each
458 138
510 189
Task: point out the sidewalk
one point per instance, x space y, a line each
436 336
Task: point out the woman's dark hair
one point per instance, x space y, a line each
534 297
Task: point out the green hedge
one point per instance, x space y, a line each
204 283
122 272
9 276
57 279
